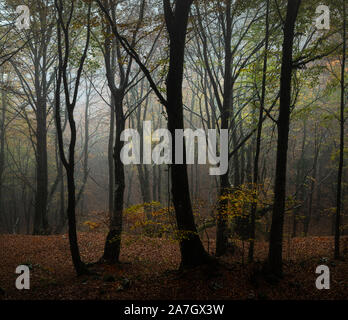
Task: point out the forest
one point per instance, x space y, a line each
173 149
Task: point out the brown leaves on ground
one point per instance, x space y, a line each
148 271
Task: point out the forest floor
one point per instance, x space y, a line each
148 271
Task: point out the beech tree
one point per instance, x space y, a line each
36 86
64 19
342 121
276 235
176 19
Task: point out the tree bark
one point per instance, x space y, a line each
2 153
222 215
69 162
191 247
40 216
300 172
113 240
276 236
111 157
341 157
258 140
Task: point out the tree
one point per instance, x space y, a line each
236 58
37 84
64 52
276 236
341 156
4 83
112 53
258 138
191 248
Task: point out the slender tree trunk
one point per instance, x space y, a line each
40 216
143 174
2 153
70 169
191 247
143 171
130 179
222 214
85 172
62 217
113 240
113 56
276 236
154 184
258 141
159 177
62 213
69 162
110 156
311 191
72 221
341 158
159 184
300 180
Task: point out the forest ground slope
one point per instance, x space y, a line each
148 270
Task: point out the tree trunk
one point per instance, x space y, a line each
341 157
40 216
311 193
159 184
113 56
258 141
110 156
191 247
276 236
300 172
2 153
74 248
113 240
222 214
80 196
69 163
